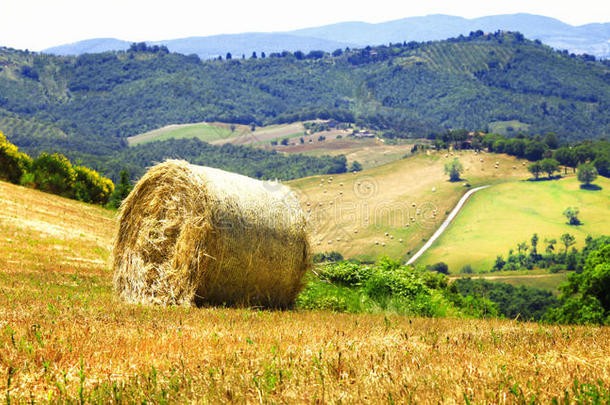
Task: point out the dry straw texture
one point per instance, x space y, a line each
192 235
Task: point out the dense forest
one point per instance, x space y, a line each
90 103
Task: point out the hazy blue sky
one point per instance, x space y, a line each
38 24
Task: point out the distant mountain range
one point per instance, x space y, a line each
593 39
211 46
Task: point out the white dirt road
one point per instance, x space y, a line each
445 224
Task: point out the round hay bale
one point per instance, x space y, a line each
192 235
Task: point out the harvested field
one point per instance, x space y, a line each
64 336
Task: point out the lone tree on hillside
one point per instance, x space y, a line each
571 213
587 173
453 169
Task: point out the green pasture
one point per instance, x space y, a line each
496 219
204 131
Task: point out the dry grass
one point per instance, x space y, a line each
64 336
215 355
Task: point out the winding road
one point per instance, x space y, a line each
445 224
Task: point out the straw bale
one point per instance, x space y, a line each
193 235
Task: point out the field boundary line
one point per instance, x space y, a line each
446 223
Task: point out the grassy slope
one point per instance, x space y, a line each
497 219
207 132
388 204
63 332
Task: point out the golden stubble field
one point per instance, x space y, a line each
63 336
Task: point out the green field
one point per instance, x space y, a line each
205 131
498 218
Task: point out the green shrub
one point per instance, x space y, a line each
586 296
389 286
54 174
467 269
90 186
13 164
479 307
440 267
403 281
345 273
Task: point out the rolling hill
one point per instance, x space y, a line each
590 38
392 209
412 90
94 45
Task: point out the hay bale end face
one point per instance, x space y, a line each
192 235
